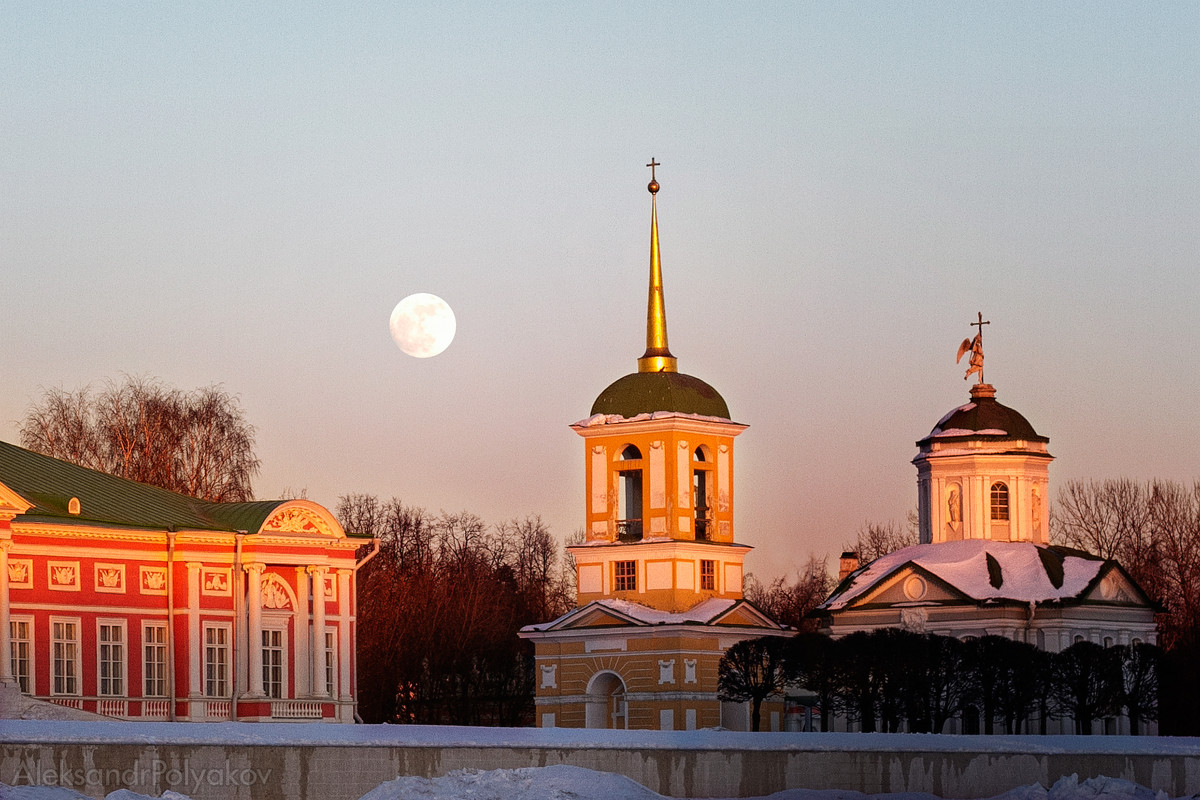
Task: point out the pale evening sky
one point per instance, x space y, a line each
240 193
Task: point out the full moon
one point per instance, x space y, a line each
422 325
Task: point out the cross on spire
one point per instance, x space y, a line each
652 165
980 325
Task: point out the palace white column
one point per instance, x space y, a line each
6 673
300 646
195 646
345 657
254 645
317 657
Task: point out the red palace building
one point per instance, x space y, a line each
133 602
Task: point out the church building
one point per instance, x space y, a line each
659 575
985 565
131 602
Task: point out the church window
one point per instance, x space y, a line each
999 502
708 576
216 661
111 663
272 662
626 576
21 648
629 506
1108 641
154 647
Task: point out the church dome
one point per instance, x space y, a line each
983 417
647 392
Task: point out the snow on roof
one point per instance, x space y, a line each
610 419
951 413
701 612
964 565
965 432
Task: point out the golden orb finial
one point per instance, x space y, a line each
652 186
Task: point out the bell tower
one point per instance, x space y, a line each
658 450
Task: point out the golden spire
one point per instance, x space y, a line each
657 357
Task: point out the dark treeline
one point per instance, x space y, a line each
893 680
1153 529
439 610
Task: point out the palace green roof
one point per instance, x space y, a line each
50 483
647 392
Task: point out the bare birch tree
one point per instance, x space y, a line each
197 443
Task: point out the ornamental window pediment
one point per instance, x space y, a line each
275 594
299 519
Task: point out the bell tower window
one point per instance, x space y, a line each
629 490
625 576
999 502
701 469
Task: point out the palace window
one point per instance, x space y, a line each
64 646
111 662
708 576
999 502
154 650
216 661
21 631
626 576
330 663
272 662
629 501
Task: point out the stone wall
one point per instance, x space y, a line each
679 764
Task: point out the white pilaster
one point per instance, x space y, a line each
345 657
317 656
300 644
254 646
6 673
195 646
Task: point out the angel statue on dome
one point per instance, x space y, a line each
975 346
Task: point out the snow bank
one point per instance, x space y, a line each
575 783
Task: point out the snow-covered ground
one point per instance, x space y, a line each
566 782
575 783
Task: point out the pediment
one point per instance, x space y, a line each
1113 586
304 518
12 503
595 616
745 615
910 585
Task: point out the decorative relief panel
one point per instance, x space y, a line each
914 619
20 573
274 595
689 670
666 671
549 676
63 575
296 520
216 581
153 580
110 578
